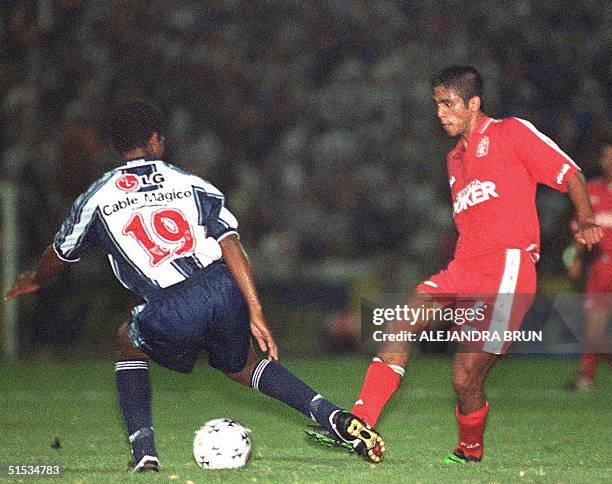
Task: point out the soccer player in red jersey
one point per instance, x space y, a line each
493 173
598 288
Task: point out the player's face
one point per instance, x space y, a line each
605 161
453 113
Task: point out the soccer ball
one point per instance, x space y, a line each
222 443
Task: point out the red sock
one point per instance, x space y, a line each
471 430
588 365
380 383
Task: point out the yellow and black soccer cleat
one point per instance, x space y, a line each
365 440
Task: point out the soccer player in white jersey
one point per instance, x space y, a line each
171 240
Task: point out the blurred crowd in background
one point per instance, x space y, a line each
314 117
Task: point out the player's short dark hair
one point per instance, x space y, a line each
131 124
466 81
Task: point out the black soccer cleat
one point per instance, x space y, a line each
148 463
364 439
323 436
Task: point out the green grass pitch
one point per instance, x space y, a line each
537 432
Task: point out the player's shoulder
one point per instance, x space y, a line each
104 179
511 123
490 124
177 171
492 127
98 187
196 181
518 125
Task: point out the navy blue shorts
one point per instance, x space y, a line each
207 311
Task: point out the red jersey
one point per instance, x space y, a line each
493 184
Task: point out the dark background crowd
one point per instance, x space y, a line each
314 117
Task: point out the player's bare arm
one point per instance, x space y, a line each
238 263
588 232
49 265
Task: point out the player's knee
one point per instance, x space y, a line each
122 336
125 347
122 330
244 376
237 377
395 359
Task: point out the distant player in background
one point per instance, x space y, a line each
172 242
598 288
493 173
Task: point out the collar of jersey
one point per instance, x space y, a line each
476 132
139 161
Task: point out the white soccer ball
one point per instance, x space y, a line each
222 443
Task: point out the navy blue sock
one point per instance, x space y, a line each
134 391
273 379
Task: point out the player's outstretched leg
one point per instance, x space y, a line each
134 392
380 383
274 380
384 374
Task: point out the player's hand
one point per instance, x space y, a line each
24 284
263 335
588 234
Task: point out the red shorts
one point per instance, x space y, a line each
598 289
502 283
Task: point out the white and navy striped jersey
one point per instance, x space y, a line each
159 225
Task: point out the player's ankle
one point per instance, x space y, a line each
143 444
473 452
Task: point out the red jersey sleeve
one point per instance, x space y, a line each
545 161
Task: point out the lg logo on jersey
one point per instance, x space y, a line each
473 194
129 182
